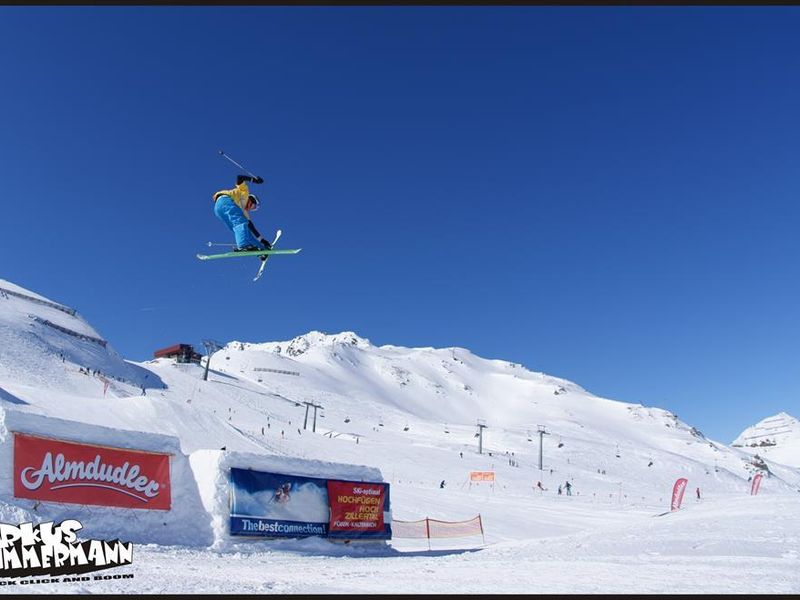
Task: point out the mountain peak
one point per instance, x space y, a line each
777 436
313 339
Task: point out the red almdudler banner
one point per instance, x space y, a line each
75 473
677 493
356 507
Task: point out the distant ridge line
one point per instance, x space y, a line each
61 307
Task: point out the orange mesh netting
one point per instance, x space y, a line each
433 528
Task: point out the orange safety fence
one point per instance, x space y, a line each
433 528
410 529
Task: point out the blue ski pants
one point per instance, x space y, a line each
229 213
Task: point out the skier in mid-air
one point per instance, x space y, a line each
233 206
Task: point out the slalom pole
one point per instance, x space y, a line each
221 153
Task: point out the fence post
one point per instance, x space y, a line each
428 531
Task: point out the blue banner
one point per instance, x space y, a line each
274 505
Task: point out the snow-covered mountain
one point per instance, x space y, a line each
776 438
41 341
418 404
340 404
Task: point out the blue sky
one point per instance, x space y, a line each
604 194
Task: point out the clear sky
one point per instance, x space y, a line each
606 194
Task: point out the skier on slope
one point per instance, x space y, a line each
233 206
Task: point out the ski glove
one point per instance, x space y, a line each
241 178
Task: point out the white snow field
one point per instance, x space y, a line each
407 416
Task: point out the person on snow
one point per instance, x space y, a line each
233 207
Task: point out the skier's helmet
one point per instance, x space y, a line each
252 202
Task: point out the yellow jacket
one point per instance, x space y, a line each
238 194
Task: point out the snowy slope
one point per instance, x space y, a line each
776 438
35 333
410 413
440 394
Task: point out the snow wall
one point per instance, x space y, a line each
178 525
199 508
212 468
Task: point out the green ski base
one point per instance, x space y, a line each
247 253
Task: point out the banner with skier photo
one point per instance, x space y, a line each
277 505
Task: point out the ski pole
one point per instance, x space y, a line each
236 163
219 244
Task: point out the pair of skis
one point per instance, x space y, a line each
265 253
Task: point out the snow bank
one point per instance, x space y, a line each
211 471
186 523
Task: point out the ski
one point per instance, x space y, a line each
264 260
248 253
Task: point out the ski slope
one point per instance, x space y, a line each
410 415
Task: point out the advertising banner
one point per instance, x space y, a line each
76 473
756 484
274 505
677 493
357 510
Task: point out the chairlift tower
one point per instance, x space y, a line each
211 346
542 433
305 421
481 426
